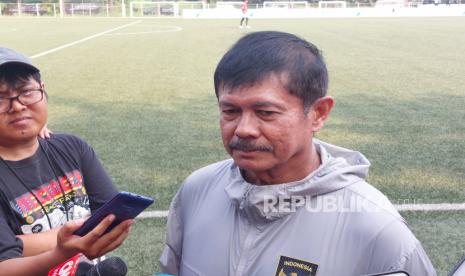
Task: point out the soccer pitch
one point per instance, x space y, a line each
141 93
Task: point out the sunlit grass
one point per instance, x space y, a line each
147 106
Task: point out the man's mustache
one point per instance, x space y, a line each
246 146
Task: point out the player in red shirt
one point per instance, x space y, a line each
245 16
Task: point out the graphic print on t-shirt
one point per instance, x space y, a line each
51 197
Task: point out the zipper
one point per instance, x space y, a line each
248 243
244 197
249 237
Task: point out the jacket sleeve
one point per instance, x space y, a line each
170 258
397 249
416 263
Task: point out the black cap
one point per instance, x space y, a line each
10 56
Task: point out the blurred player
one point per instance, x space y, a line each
245 14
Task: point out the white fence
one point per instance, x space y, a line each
61 9
332 4
286 4
231 9
163 8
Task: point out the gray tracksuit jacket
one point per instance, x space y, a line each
332 223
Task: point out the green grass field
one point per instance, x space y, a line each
144 99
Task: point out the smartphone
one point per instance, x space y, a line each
394 273
459 268
124 206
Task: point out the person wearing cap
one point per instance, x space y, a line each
47 187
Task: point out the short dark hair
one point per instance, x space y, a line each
14 74
258 55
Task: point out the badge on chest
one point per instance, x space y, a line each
293 267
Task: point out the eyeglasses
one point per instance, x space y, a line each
26 97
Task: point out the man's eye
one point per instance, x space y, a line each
265 112
230 111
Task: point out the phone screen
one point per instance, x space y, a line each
124 206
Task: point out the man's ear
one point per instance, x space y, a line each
42 85
320 112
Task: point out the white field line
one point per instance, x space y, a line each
431 207
399 207
153 214
161 29
82 40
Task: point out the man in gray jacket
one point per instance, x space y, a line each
286 204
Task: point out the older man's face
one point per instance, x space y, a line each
21 123
264 127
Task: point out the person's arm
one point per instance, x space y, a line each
417 263
395 248
92 245
35 244
34 265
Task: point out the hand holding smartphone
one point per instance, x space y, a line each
124 206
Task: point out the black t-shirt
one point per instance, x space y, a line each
81 178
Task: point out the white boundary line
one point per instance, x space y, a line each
153 214
172 30
8 30
399 207
431 207
82 40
